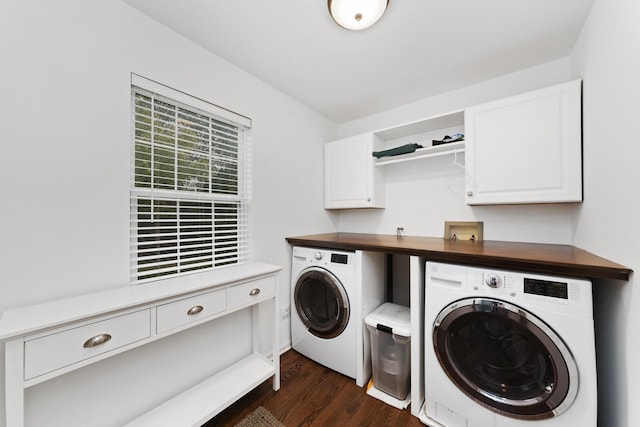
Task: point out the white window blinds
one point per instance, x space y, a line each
190 185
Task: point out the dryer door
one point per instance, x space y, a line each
321 302
505 358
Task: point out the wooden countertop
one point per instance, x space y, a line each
532 257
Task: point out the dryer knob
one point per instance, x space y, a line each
492 280
318 255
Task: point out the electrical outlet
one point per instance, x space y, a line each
284 313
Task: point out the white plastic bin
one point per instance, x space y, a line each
390 329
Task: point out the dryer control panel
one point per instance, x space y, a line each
496 282
546 288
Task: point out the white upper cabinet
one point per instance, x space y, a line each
526 148
351 179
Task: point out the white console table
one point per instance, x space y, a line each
51 339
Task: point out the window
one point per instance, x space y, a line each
190 184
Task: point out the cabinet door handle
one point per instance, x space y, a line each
470 193
97 340
195 310
254 292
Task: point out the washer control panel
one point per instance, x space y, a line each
492 280
323 257
546 288
339 258
573 296
521 284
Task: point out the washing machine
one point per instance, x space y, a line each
504 348
331 293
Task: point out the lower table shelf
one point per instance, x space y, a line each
202 402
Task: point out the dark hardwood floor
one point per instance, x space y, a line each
312 395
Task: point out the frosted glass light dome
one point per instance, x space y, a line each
357 14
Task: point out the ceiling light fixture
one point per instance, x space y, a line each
357 14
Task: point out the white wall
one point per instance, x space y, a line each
606 54
64 181
423 194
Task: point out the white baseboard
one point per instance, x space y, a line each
285 347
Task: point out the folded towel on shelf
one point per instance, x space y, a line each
403 149
454 138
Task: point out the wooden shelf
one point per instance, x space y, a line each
205 400
424 153
532 257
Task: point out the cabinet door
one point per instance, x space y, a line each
526 148
351 179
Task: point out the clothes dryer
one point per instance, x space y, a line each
507 349
331 293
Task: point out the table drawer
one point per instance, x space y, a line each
64 348
251 292
185 311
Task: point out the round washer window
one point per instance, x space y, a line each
505 358
321 302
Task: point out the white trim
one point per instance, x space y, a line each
169 92
192 196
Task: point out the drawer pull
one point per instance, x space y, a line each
254 292
195 310
97 340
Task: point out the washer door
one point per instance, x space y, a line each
505 358
321 302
